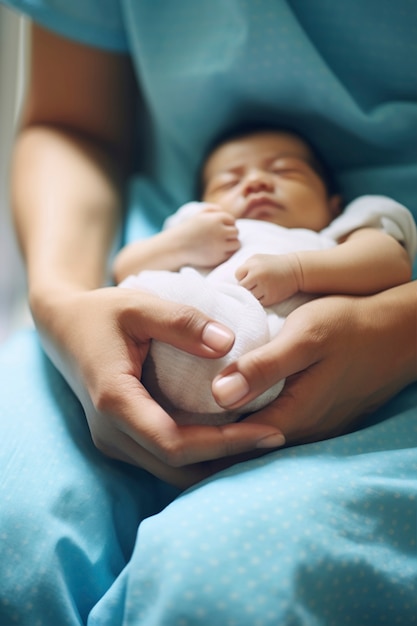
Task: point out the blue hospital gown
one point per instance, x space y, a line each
315 535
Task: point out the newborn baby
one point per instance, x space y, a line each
257 247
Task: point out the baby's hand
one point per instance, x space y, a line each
271 278
212 237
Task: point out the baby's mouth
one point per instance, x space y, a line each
261 207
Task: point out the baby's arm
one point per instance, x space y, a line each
202 240
366 261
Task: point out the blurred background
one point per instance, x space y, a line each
13 63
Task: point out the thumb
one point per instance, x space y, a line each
179 325
291 351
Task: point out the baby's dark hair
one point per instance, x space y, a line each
315 159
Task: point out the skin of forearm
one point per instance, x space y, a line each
167 250
367 262
395 317
67 204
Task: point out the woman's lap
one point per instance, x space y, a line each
313 535
68 515
318 534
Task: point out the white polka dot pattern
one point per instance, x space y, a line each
317 535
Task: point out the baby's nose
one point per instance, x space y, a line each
257 181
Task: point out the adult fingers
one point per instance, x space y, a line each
301 411
150 428
145 316
123 448
294 349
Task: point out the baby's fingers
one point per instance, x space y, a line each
241 272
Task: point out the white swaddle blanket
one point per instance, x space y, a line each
181 382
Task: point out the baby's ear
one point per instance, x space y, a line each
336 204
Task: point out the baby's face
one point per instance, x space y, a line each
268 176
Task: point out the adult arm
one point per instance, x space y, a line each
70 160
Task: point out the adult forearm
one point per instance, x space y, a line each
66 203
66 199
395 314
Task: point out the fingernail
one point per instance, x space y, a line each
217 337
230 389
277 440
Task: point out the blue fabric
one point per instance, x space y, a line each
346 79
93 22
322 534
319 534
68 515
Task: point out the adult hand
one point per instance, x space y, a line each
342 356
99 340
